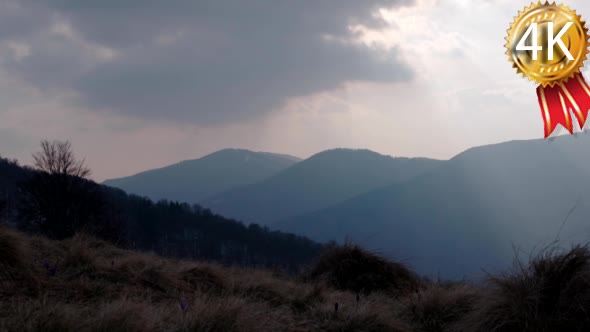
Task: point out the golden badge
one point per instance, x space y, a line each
548 44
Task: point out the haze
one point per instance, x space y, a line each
149 83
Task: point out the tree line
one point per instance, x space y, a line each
57 199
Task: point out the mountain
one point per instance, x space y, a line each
193 180
315 183
473 211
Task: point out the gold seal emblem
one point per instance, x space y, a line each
547 43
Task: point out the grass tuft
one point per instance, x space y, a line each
352 268
552 293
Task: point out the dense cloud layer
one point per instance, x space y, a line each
452 85
207 62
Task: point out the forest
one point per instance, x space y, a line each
56 199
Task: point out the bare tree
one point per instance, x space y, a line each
58 200
57 158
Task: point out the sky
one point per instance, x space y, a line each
139 84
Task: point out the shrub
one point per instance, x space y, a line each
352 268
552 293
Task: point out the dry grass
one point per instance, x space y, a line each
439 307
96 287
15 264
552 293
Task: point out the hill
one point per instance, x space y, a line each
11 174
168 228
315 183
193 180
477 206
82 284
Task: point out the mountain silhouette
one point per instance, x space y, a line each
474 211
322 180
193 180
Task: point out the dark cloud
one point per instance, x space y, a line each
205 61
18 20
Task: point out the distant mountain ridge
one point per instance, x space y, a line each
473 211
446 218
322 180
193 180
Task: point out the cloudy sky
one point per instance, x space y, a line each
138 84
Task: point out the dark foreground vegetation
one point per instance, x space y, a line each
78 256
85 284
57 199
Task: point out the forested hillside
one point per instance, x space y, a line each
58 206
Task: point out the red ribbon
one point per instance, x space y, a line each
556 103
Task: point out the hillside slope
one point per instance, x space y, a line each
193 180
175 229
318 182
81 284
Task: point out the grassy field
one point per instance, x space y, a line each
82 284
